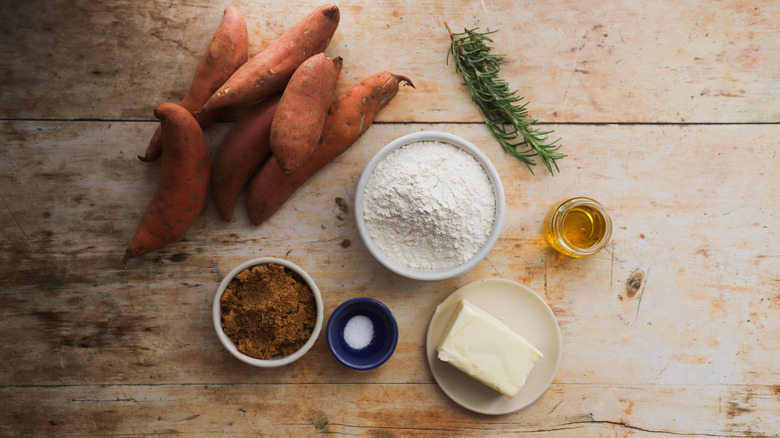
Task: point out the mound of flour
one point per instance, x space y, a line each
429 205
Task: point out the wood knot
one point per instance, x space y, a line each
634 283
343 206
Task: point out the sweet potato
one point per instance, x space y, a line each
268 72
298 121
227 51
243 150
183 184
349 116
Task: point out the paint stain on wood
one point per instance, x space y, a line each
634 283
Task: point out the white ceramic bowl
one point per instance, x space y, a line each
216 312
430 274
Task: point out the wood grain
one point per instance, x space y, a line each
382 410
577 62
669 115
680 307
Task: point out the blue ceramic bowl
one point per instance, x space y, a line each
383 342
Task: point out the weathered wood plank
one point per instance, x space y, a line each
672 330
701 234
576 62
384 410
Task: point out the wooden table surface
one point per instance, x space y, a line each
669 113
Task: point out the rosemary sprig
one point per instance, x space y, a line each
504 112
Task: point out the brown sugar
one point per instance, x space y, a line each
268 311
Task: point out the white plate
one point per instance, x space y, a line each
524 312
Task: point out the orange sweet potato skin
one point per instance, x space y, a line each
183 185
298 122
227 51
349 116
243 150
268 72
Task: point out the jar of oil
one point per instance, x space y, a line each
578 227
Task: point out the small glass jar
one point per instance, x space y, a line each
578 227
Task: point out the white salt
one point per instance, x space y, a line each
359 332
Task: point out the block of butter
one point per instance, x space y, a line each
483 347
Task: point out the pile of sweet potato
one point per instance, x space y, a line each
294 130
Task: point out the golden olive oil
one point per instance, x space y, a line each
583 226
577 227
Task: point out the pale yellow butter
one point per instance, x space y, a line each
483 347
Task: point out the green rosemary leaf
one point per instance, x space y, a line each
505 113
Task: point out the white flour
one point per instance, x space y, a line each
429 205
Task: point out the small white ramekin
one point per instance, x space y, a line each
216 312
